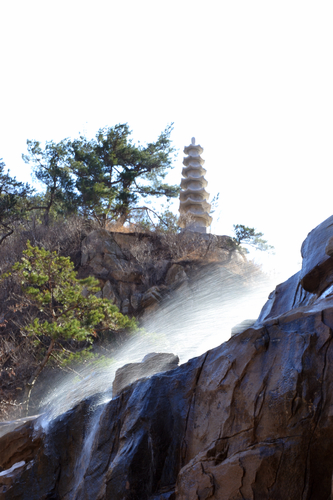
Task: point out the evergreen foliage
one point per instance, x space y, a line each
50 167
105 178
67 308
13 202
248 236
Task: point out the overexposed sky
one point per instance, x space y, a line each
251 80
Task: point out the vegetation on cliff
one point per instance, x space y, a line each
106 178
248 236
65 313
102 183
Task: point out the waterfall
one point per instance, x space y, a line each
198 317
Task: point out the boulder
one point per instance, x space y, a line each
175 274
152 296
102 253
110 294
98 243
125 306
152 363
9 426
136 301
149 267
309 284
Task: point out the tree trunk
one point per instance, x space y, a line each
30 384
46 217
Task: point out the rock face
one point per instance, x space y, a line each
314 281
317 269
137 270
251 419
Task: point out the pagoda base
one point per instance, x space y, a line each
195 229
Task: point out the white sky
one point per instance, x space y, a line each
251 80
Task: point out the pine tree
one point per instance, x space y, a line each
67 308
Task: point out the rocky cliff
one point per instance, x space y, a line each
137 271
250 419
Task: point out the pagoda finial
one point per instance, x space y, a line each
193 207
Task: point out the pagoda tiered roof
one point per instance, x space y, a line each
193 196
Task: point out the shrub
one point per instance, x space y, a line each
67 312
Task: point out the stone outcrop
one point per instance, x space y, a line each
137 271
314 281
317 268
152 363
251 419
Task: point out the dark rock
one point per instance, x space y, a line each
11 425
19 444
151 296
251 419
125 306
286 296
7 477
136 301
175 274
226 425
317 266
152 363
110 294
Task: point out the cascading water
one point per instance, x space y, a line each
198 317
83 460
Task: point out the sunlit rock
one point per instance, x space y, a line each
146 268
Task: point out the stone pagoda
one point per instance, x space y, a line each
193 207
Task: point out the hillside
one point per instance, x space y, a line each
140 272
249 419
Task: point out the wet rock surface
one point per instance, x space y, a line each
317 265
251 419
152 363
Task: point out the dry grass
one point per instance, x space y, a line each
63 236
